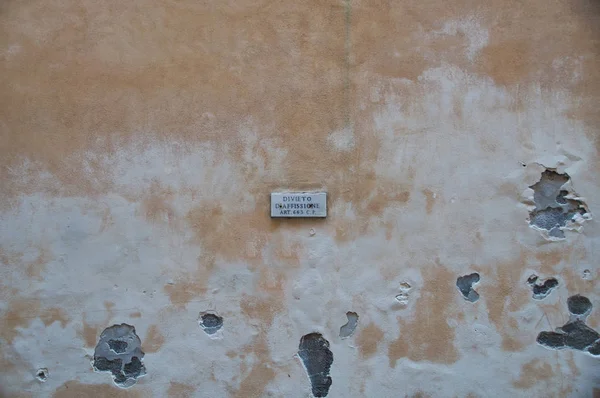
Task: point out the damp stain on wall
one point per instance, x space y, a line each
140 143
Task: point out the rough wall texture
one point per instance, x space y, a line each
140 141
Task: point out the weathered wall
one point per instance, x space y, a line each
140 141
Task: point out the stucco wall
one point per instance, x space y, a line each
140 141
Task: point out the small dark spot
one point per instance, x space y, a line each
317 359
42 374
579 305
586 274
211 323
133 368
532 279
117 346
542 290
465 286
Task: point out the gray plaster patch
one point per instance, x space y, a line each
350 326
210 322
119 352
541 290
465 286
575 334
556 208
317 359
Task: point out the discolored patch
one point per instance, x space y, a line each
21 312
36 267
429 200
154 340
506 293
368 340
384 198
180 390
51 315
428 337
75 389
420 394
182 292
230 234
88 332
508 62
156 207
262 309
532 373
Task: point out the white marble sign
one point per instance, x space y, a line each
299 204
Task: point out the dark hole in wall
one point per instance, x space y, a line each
117 346
541 290
465 286
349 327
575 334
317 359
210 322
133 368
42 374
553 210
119 353
579 305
